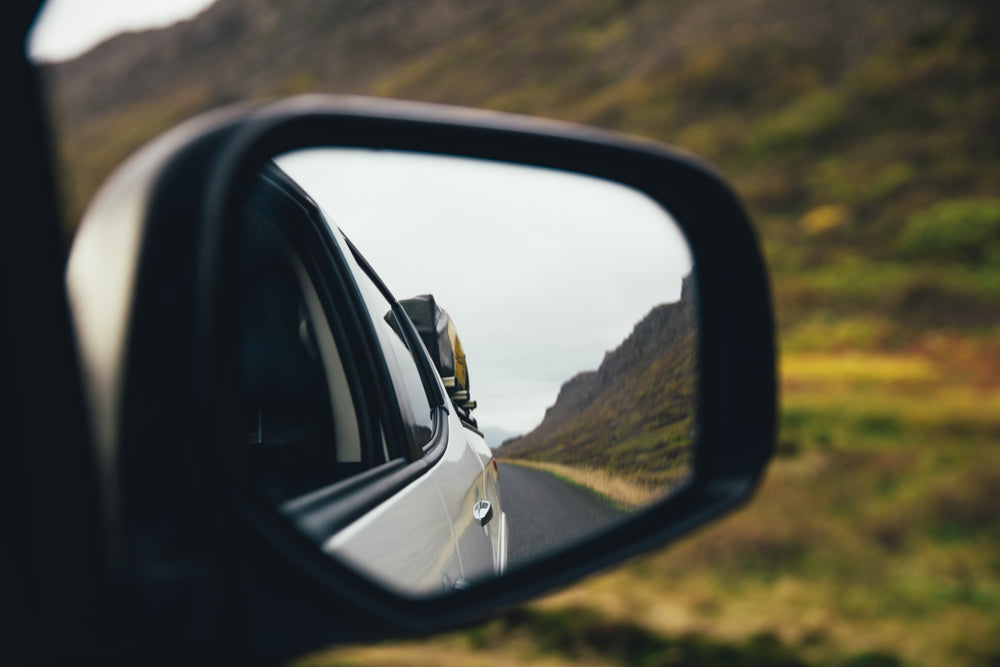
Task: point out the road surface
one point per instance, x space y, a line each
545 513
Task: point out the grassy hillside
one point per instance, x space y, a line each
639 427
865 140
628 425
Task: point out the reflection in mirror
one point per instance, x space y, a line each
552 315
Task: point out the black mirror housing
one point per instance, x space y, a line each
148 281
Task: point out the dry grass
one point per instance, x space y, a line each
627 492
857 368
440 654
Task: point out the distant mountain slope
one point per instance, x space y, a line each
131 87
240 49
245 48
858 133
634 415
647 66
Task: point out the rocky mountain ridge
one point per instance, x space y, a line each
661 328
635 414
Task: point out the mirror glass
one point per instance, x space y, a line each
537 330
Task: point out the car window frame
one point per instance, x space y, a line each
433 388
308 248
324 510
433 383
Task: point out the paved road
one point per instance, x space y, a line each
544 512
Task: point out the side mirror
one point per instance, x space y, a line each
285 438
440 336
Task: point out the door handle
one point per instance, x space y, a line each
482 512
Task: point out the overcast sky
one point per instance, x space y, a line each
542 271
68 28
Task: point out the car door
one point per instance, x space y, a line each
459 477
457 468
491 518
342 455
496 528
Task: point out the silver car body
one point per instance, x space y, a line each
427 539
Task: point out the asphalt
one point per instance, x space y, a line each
545 513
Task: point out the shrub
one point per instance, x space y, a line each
959 230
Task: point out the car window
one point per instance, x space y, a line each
411 393
299 419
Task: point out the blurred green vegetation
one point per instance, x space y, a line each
964 231
869 157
